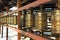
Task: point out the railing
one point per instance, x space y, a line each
33 4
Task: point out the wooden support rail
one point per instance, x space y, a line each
35 37
33 4
0 28
18 18
2 32
7 10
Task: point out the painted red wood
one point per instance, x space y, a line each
33 4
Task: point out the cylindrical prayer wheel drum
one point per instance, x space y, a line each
22 19
28 19
40 21
56 22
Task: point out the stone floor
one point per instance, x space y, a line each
12 35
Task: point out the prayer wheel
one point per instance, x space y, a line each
22 20
56 22
40 21
28 19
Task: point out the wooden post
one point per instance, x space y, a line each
58 4
6 33
7 24
58 38
2 32
2 26
18 19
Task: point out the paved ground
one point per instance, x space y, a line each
12 35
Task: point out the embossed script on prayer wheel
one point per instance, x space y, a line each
28 19
56 22
40 21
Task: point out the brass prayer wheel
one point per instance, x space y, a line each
22 19
56 22
28 19
40 21
5 20
2 20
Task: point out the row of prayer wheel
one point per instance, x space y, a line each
37 21
9 19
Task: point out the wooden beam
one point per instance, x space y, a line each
7 9
33 4
2 32
0 28
18 18
2 25
7 24
6 33
58 4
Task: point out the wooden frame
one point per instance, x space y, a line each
33 4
